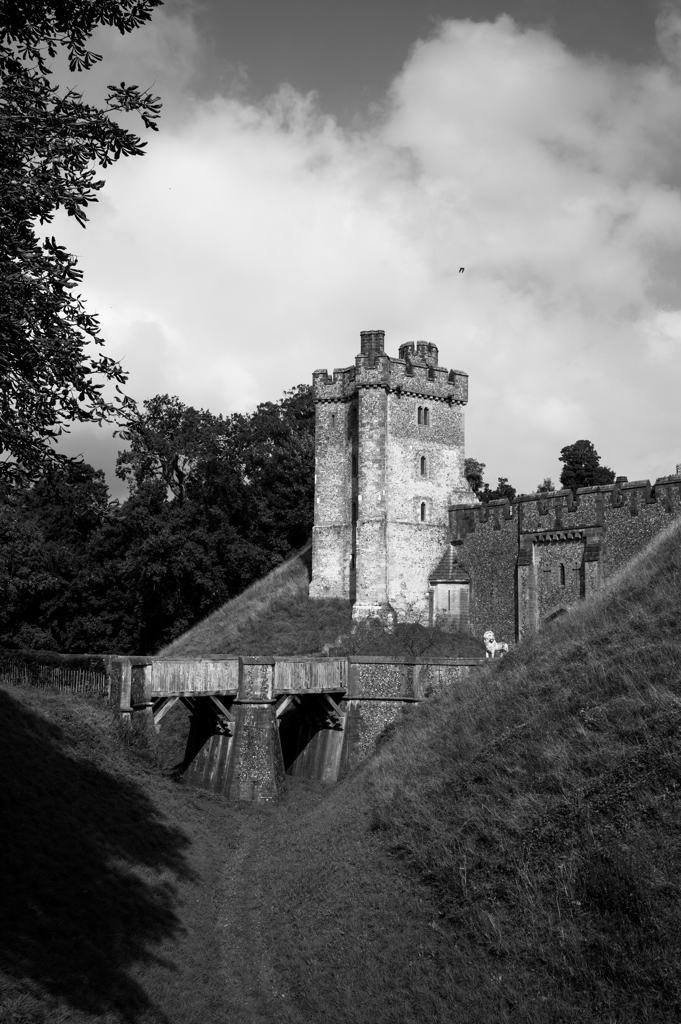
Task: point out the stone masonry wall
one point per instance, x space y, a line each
539 555
332 546
414 545
372 555
373 469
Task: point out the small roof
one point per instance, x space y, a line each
449 569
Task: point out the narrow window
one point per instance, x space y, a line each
354 465
449 600
423 465
352 562
423 511
354 512
431 373
562 575
419 415
426 417
333 420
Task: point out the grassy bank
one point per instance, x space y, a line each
512 853
110 874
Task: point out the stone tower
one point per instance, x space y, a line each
389 461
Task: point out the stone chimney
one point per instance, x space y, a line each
372 345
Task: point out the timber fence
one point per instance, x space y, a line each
86 674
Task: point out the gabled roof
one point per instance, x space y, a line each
449 569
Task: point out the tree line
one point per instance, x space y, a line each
215 503
581 468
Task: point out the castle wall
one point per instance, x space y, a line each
536 557
634 518
415 545
332 547
489 551
372 484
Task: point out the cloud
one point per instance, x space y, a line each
254 241
668 32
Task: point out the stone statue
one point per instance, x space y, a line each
492 646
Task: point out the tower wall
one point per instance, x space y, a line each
372 542
372 504
332 543
416 544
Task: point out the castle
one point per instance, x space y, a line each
399 534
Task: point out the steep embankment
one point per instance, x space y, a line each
272 616
512 854
536 811
109 875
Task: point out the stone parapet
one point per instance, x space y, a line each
397 375
559 510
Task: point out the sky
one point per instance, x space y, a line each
323 169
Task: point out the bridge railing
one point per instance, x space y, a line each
134 683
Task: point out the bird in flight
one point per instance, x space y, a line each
461 270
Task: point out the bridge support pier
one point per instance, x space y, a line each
242 762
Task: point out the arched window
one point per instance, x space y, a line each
426 417
419 415
354 465
424 466
333 420
562 574
423 511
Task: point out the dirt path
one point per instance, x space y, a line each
254 992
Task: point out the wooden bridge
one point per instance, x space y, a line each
254 720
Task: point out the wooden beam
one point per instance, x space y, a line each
283 703
162 707
332 708
222 710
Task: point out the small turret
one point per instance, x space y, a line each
419 352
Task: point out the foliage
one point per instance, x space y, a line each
474 472
50 144
215 504
582 466
502 490
546 485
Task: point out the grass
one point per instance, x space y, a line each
512 853
109 874
275 616
541 808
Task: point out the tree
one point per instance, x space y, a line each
168 441
582 466
474 472
51 142
546 485
502 490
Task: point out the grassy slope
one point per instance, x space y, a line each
276 616
512 854
109 872
514 851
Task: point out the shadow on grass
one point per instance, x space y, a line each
87 870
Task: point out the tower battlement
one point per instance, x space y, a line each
416 372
